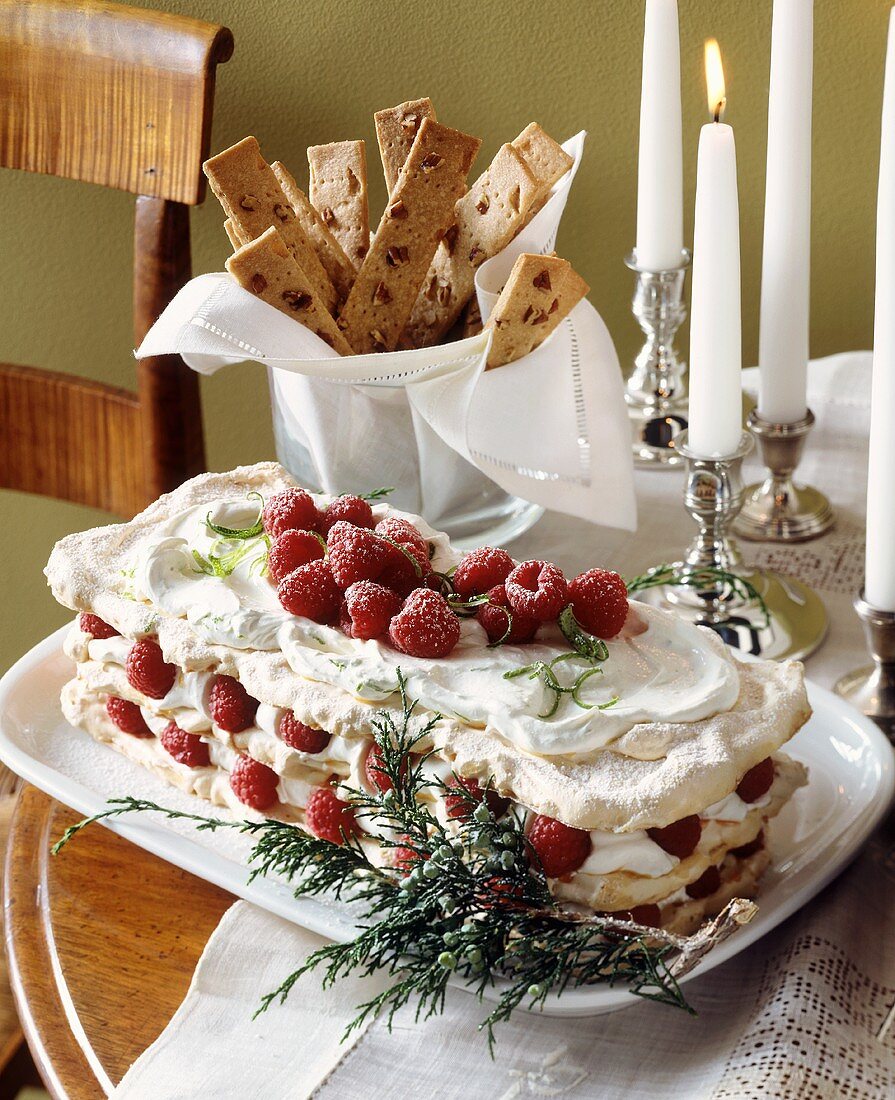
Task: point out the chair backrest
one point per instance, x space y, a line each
120 97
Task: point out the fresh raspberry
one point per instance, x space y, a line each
405 546
254 783
650 916
425 626
480 570
496 616
148 671
349 509
679 838
355 554
367 609
459 807
328 817
95 627
374 769
749 849
405 534
537 589
560 848
405 858
301 737
757 781
600 602
311 591
127 716
231 706
706 884
292 549
186 748
291 510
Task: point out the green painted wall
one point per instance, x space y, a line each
304 73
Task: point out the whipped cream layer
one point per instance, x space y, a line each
672 672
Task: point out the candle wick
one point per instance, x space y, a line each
719 109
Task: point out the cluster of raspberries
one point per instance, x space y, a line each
376 580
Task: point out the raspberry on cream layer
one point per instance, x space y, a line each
240 636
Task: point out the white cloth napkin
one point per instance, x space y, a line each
550 428
809 1011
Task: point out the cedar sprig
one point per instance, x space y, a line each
474 907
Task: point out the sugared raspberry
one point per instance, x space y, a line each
254 783
459 807
127 716
757 781
290 510
679 838
95 627
650 916
148 671
301 737
292 549
600 602
496 617
367 609
706 884
425 626
355 554
231 706
480 570
560 848
749 849
374 769
311 591
349 508
186 748
537 589
407 564
328 817
405 534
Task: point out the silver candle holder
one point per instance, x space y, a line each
872 689
656 392
754 610
776 509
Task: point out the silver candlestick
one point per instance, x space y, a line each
776 509
656 392
760 612
872 689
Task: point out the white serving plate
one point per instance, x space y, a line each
851 764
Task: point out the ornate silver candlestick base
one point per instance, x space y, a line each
872 689
777 510
759 612
656 392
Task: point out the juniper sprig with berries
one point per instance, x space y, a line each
470 905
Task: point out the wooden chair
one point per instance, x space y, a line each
121 97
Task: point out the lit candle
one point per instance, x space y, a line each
879 581
715 424
660 203
785 275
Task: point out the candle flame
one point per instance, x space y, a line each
714 79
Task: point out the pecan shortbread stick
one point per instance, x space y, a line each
486 219
267 268
418 213
396 129
248 190
546 159
232 235
540 292
338 191
335 263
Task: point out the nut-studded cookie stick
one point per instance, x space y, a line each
396 129
419 211
253 201
546 159
338 190
268 269
335 263
486 219
540 292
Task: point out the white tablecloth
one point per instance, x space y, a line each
806 1012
